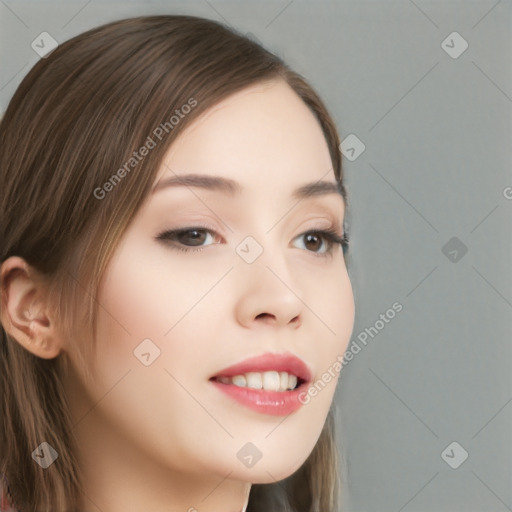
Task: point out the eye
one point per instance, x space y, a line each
326 240
193 239
188 237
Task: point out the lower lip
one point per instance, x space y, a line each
275 403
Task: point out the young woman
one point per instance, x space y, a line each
175 297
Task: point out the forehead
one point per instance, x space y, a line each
262 133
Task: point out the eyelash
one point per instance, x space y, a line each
329 235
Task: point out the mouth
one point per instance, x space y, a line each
269 384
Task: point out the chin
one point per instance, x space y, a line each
271 472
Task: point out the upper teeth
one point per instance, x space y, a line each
270 381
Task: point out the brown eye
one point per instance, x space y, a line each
189 237
315 240
194 237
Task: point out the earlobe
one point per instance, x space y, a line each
24 311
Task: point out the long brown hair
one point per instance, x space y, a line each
73 123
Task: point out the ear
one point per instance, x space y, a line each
24 313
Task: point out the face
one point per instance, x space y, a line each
246 272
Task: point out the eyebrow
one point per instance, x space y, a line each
232 188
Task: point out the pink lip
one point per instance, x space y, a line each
275 403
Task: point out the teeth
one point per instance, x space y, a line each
254 380
283 381
238 380
270 381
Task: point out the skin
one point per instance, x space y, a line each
161 437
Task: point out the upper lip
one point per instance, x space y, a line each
269 362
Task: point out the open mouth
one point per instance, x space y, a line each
265 381
270 383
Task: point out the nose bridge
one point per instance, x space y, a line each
265 255
268 288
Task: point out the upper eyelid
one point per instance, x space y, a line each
328 217
215 234
205 227
315 209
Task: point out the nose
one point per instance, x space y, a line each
268 295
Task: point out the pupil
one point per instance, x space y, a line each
194 235
310 236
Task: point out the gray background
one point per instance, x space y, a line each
436 165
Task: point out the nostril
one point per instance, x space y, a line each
264 315
296 322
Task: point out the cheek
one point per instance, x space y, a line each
139 309
146 297
143 297
333 311
133 302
